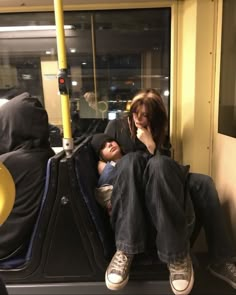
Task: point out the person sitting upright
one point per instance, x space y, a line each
24 150
169 187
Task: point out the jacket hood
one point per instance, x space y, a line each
23 124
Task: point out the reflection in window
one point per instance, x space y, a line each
111 55
227 102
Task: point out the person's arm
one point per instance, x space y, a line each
101 166
104 190
107 175
145 136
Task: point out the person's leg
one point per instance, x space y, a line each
128 209
166 200
127 218
209 213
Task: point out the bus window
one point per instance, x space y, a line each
110 54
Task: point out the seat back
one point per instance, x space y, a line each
87 176
23 258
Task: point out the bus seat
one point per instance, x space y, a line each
23 258
87 177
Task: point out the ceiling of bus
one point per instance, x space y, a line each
106 26
110 28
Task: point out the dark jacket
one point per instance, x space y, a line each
24 150
119 129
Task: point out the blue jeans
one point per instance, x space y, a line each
151 188
209 215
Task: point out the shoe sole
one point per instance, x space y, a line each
233 285
115 287
188 289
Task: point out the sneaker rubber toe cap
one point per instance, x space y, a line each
114 278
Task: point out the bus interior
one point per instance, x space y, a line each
113 50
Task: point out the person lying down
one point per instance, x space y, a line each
109 153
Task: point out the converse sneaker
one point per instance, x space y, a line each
181 276
225 271
117 274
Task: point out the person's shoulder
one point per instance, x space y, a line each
27 159
113 122
110 128
118 122
122 120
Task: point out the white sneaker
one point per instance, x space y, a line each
181 276
117 274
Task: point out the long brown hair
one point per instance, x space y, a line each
156 114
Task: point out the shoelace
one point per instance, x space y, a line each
232 268
120 262
179 269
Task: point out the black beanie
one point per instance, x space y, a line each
99 140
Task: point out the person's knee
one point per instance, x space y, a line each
133 160
203 181
203 187
203 178
160 164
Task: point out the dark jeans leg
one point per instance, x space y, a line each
165 200
128 206
209 213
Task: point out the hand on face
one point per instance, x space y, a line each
145 136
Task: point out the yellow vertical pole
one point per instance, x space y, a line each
94 64
68 144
